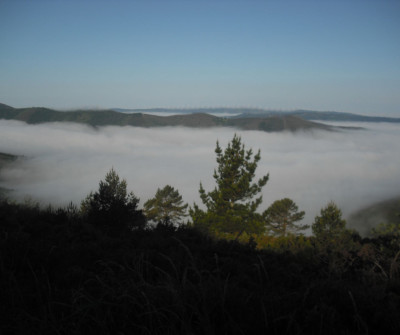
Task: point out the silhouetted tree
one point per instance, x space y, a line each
231 206
112 207
331 235
282 215
166 207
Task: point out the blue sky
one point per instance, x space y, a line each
320 55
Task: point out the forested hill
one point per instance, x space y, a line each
336 116
262 113
34 115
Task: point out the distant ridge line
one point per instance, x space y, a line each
258 112
249 119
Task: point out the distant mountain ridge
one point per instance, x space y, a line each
258 113
335 116
215 110
198 118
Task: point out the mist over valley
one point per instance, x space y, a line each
63 162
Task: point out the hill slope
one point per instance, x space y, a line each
336 116
198 120
262 113
387 211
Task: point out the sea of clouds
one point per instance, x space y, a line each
63 162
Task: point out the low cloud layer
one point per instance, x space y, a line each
64 162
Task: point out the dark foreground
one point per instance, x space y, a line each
62 275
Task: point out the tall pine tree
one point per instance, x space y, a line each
112 207
231 206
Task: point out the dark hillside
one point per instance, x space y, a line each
7 157
4 107
233 113
36 115
61 274
195 120
336 116
319 116
186 120
276 123
387 211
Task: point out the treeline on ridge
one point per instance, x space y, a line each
109 267
268 123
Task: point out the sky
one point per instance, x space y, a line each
320 55
63 162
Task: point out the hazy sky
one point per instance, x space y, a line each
322 55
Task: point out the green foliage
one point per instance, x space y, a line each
231 206
388 233
386 229
282 215
336 244
289 243
59 274
329 224
112 207
166 207
383 250
388 252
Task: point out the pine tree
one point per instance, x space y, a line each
112 207
166 207
329 223
231 206
282 216
331 234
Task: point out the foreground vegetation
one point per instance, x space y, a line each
109 267
62 274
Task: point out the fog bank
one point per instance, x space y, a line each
64 162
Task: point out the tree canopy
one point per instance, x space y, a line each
329 222
282 216
112 207
166 207
231 206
